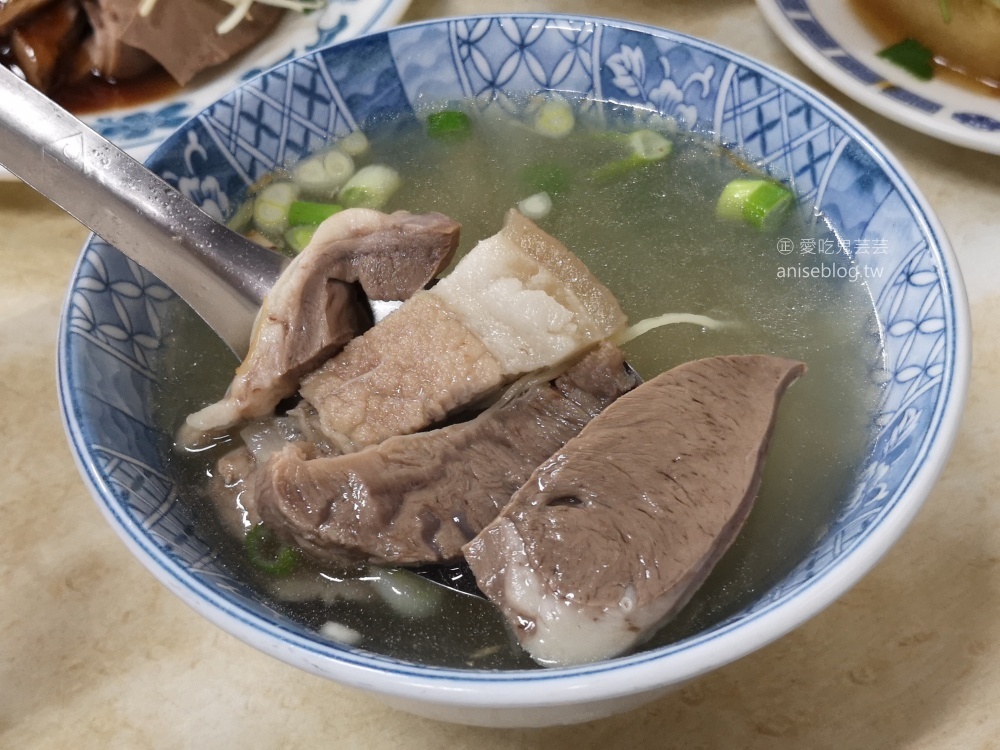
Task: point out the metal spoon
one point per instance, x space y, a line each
220 273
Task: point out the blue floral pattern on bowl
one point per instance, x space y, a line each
114 336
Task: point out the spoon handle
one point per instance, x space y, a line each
219 273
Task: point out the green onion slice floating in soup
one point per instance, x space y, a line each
649 145
407 593
449 125
324 174
645 146
536 206
354 144
555 119
761 203
544 177
270 208
370 187
306 212
298 237
269 554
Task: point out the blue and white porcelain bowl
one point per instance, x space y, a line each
114 339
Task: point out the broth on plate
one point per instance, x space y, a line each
652 236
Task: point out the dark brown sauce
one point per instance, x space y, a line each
883 26
96 94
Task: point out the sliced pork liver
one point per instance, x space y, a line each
614 533
417 499
315 308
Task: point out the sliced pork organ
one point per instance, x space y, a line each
416 499
181 36
104 50
40 43
518 302
613 534
315 308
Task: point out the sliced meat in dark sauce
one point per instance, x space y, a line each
39 43
181 36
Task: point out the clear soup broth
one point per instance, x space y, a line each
653 238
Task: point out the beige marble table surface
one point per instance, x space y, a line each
94 653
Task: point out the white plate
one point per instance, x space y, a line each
828 36
140 129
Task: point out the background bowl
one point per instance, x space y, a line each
138 129
115 334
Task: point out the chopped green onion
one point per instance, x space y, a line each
242 218
324 174
618 170
761 203
270 208
536 206
449 125
270 554
734 196
945 10
354 144
305 212
370 187
646 146
555 118
297 238
649 145
358 197
545 177
912 56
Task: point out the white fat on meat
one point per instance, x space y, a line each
518 302
615 532
553 629
529 299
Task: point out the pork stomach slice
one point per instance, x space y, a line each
518 302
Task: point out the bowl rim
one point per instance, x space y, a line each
642 672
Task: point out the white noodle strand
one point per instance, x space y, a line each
647 325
